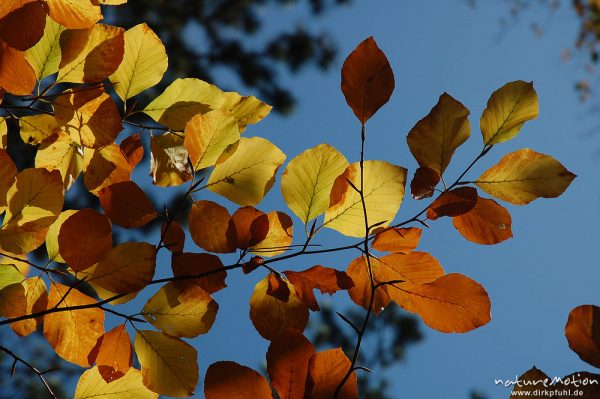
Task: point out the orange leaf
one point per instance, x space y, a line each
361 292
133 149
248 226
23 25
397 240
326 279
8 171
112 354
127 205
424 182
16 75
208 227
278 288
287 365
325 372
104 167
36 300
279 236
583 333
74 14
453 203
452 303
190 264
367 80
84 238
74 333
273 317
173 237
487 223
229 380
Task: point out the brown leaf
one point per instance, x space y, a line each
84 238
8 171
453 203
173 237
23 25
279 236
287 365
112 353
398 240
367 80
104 167
486 223
229 380
208 223
583 333
254 263
424 182
325 372
190 264
278 288
248 226
126 204
326 279
133 149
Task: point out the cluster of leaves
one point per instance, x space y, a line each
90 69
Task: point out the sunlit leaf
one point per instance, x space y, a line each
433 140
112 354
367 79
325 279
583 333
383 191
169 160
133 149
35 299
60 153
144 62
22 24
190 264
287 365
453 203
208 222
525 175
3 127
277 287
398 240
181 311
279 235
486 223
91 385
16 75
507 110
44 57
74 14
52 236
8 172
307 180
272 317
36 128
246 110
423 183
325 372
169 365
247 175
9 274
72 333
229 380
127 205
104 167
247 227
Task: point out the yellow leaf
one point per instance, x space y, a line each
183 99
37 128
144 62
383 190
112 2
525 175
8 171
44 57
169 365
18 261
62 154
74 14
169 160
507 110
208 135
130 386
246 110
434 139
72 333
307 180
3 129
9 274
104 167
279 236
34 201
181 311
52 236
273 317
90 55
247 175
36 300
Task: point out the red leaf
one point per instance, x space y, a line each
453 203
424 182
190 264
326 279
287 365
278 288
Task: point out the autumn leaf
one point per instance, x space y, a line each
181 311
44 57
229 380
91 385
397 240
435 138
8 172
277 287
127 205
287 365
16 75
279 235
169 160
52 236
208 223
112 354
486 223
73 333
367 80
525 175
26 296
325 372
383 191
60 153
325 279
307 180
169 365
247 227
583 333
173 236
35 129
423 183
246 110
191 264
22 23
133 149
74 14
104 167
360 294
507 110
455 202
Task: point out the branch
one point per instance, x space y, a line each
37 372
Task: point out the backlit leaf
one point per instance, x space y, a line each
360 294
44 57
52 236
74 14
398 240
325 279
61 153
278 287
36 128
23 24
453 203
507 110
133 149
208 222
246 110
16 75
583 333
486 223
367 79
35 299
423 183
112 354
190 264
169 365
307 180
181 311
247 175
247 227
73 333
144 62
325 372
127 205
272 317
104 167
173 236
8 172
434 139
525 175
287 365
91 385
279 236
229 380
3 127
9 274
169 160
383 190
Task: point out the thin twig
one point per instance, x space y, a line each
31 367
